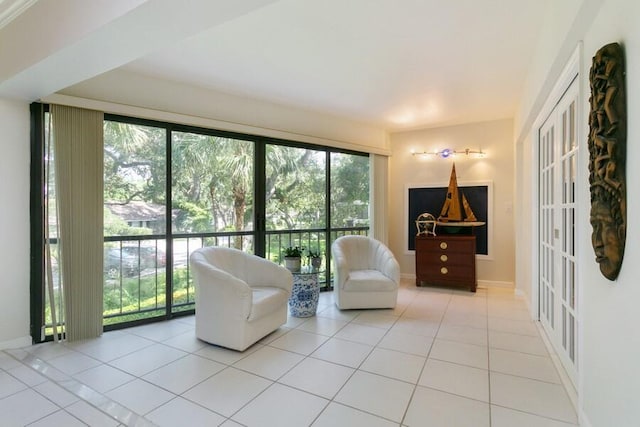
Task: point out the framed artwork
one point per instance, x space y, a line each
422 198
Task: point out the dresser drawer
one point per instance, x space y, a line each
444 257
446 245
446 260
463 273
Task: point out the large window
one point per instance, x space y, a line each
135 195
170 189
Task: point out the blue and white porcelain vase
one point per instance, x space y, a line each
304 295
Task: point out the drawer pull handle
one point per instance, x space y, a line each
444 270
443 245
444 258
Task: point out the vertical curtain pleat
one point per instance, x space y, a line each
78 136
379 190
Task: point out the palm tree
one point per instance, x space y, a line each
240 166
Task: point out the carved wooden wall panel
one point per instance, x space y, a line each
607 158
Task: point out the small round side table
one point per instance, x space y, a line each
305 293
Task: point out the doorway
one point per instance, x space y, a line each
558 285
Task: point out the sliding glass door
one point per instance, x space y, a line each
170 189
135 222
295 202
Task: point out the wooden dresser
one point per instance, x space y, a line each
446 260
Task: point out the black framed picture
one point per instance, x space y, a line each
430 199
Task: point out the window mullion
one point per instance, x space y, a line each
169 223
259 176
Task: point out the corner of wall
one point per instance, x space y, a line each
14 220
15 343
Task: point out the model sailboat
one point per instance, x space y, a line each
453 208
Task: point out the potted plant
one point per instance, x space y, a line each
315 259
293 258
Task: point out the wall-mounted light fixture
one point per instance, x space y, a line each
447 152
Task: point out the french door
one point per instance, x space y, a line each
558 285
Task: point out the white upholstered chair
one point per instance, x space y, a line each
366 273
240 297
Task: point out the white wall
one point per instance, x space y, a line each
551 42
496 138
611 316
14 224
609 373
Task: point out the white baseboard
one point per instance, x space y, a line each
583 420
16 343
564 378
495 284
483 283
520 293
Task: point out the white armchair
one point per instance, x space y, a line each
366 273
240 297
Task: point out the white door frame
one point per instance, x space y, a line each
570 72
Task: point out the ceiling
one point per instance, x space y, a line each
393 64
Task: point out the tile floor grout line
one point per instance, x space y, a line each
357 368
181 395
115 358
415 386
230 418
109 407
403 344
535 414
488 362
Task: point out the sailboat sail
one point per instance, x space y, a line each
452 209
468 213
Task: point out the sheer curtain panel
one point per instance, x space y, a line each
379 184
78 142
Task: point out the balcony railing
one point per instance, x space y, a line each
136 267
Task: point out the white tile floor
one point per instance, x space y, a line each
441 358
